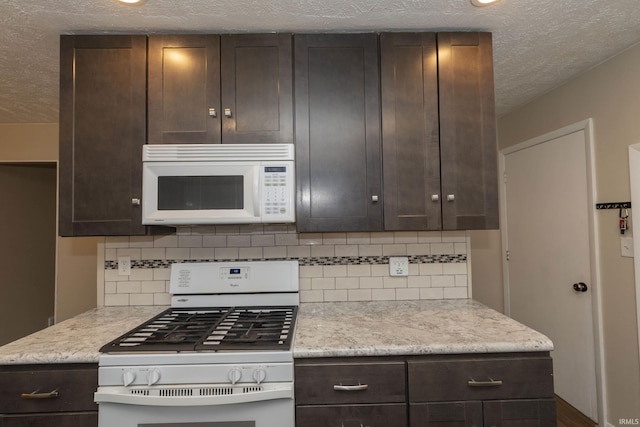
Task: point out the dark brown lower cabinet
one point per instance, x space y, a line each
503 413
380 415
454 390
57 395
490 390
351 392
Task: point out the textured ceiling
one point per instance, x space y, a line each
538 45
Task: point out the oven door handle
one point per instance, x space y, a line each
123 395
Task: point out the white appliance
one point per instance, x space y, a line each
188 184
221 356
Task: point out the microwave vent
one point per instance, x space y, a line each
217 152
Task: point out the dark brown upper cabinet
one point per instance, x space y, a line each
468 151
410 137
338 153
102 131
210 89
438 122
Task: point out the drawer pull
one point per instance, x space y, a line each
358 387
490 383
35 395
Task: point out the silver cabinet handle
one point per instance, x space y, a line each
490 383
227 112
451 197
358 387
35 395
374 199
135 202
435 197
213 112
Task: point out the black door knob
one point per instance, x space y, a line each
580 287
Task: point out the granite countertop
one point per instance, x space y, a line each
323 330
76 340
409 328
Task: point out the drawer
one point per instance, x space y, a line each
480 378
336 383
390 415
50 388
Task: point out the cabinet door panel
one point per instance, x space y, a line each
337 133
72 419
446 414
184 83
410 136
467 131
394 415
257 88
102 130
520 413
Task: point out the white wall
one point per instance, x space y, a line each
610 94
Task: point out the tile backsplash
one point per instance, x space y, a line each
333 266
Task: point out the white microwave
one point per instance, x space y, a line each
188 184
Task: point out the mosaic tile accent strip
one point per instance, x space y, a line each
369 260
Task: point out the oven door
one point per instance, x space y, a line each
267 405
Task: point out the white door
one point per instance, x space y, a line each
548 242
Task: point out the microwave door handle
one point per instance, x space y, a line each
257 190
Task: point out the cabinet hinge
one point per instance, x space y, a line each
508 255
504 177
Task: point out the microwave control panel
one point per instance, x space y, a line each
277 192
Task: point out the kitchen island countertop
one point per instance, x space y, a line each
340 329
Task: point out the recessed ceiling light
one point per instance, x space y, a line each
481 3
132 2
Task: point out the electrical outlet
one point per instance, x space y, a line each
124 265
399 266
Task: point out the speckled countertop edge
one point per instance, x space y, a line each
340 329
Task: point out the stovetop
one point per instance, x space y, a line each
213 329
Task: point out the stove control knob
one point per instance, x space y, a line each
153 376
260 374
234 375
128 377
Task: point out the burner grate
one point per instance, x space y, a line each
211 329
250 327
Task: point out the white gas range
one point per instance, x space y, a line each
221 356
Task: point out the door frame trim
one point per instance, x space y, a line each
587 127
634 177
